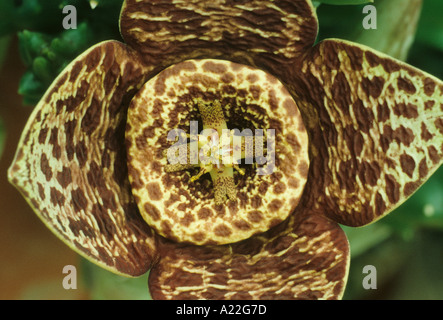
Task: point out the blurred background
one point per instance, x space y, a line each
406 247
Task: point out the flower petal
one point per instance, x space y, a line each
263 33
376 126
306 257
71 166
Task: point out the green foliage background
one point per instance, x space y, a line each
406 247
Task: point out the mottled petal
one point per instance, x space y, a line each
71 165
376 127
306 257
263 33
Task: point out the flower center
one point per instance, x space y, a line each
237 123
218 149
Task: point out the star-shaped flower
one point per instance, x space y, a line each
357 132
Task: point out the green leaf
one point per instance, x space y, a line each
30 88
47 53
430 31
32 45
72 41
397 22
42 69
394 33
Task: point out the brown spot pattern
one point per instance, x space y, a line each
94 201
268 34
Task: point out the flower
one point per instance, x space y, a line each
371 134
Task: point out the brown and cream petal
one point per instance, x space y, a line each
376 130
71 165
305 257
263 33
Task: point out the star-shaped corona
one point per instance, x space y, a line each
219 152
